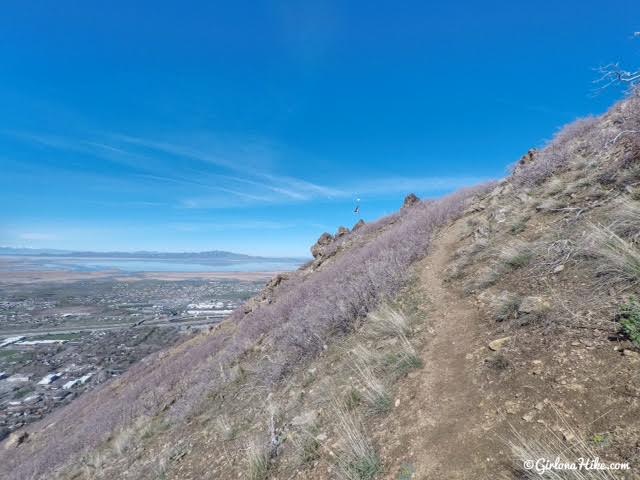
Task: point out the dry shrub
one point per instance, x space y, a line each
609 145
568 145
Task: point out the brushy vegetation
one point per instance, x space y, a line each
587 142
357 459
555 156
630 321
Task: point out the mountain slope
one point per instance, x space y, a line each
453 339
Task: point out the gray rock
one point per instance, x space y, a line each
324 240
533 305
498 343
410 200
305 418
342 231
358 225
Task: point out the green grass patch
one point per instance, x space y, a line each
365 468
401 363
630 321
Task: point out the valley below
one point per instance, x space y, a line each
63 333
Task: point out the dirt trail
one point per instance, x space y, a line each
439 420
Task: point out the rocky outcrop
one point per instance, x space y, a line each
358 225
318 249
410 200
342 231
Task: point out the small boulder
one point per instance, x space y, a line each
533 305
497 344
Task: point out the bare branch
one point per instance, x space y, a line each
612 74
617 137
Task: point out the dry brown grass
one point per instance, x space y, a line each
389 322
565 446
619 258
374 390
257 460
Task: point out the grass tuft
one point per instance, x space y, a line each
375 392
621 258
258 461
357 459
507 307
517 256
388 322
403 361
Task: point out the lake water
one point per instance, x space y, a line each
143 265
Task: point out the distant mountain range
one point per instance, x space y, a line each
217 255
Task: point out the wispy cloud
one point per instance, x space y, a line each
241 225
219 174
233 169
37 236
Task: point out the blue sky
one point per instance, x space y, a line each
254 126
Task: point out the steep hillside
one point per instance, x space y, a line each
454 339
